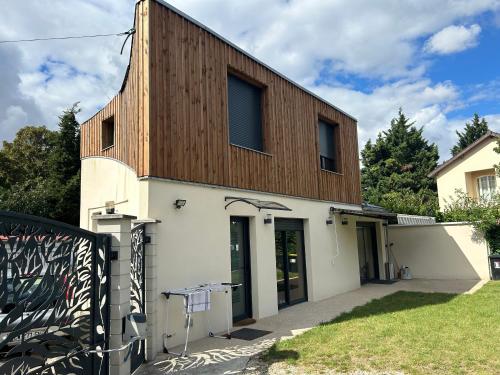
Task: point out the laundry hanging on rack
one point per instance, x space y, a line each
197 302
197 299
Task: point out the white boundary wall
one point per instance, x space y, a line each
440 251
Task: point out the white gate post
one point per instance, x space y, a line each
118 226
150 249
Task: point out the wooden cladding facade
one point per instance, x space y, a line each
178 70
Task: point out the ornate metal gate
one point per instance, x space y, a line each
137 289
54 297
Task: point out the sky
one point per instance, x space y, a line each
439 60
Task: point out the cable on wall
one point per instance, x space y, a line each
336 239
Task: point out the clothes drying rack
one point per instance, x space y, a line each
198 299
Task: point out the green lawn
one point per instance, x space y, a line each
416 333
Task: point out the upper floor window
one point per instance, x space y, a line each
245 113
108 132
329 153
486 187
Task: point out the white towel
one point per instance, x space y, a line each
198 301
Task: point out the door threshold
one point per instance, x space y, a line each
244 322
382 281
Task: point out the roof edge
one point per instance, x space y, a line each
239 49
447 163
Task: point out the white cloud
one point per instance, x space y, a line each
44 78
381 41
378 39
453 39
14 115
424 103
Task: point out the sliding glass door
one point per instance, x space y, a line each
290 262
367 252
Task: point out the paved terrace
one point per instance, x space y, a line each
219 356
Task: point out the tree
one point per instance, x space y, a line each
66 155
40 171
65 166
471 133
26 157
396 167
25 185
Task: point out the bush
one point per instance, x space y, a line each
483 214
423 203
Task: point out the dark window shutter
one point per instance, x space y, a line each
244 106
327 146
108 132
288 224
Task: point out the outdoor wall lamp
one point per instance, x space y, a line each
179 203
268 219
331 212
344 220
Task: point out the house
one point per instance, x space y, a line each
255 179
471 171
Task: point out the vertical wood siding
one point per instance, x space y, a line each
185 135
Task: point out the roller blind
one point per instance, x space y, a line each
288 224
327 146
244 106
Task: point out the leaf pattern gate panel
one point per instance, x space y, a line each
54 297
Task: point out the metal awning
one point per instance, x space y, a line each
267 205
368 210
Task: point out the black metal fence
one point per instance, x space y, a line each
54 297
137 288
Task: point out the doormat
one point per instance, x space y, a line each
383 281
249 334
244 322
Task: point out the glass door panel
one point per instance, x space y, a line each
367 252
290 262
280 268
296 269
363 264
240 268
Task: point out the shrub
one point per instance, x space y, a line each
483 214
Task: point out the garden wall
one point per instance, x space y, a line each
440 251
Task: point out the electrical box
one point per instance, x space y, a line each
135 326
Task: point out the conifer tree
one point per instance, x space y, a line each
395 169
472 132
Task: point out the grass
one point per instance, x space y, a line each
416 333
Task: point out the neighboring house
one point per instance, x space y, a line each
471 171
268 172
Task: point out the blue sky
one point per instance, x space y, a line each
437 59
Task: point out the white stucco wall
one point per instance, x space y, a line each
458 175
440 251
105 180
193 243
194 248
